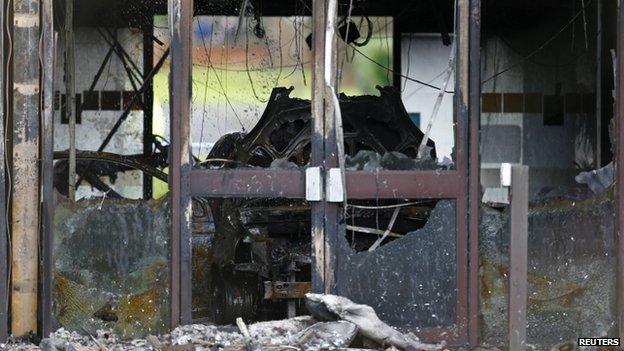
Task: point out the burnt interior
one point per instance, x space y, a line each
257 241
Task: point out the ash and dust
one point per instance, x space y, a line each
335 323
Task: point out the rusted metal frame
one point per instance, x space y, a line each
47 166
519 223
404 185
474 168
459 190
25 203
318 143
259 183
464 182
462 117
180 20
291 184
70 93
4 249
619 162
148 102
599 67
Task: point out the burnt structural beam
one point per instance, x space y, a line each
317 142
4 254
619 162
25 172
70 92
462 119
180 20
148 101
518 241
474 168
332 210
47 165
397 79
599 68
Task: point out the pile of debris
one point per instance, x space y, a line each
335 323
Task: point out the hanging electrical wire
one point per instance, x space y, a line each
539 48
208 55
223 89
411 79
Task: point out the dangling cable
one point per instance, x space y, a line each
422 149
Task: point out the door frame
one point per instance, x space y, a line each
461 184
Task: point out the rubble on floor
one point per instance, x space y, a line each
336 323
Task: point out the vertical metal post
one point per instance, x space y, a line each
598 84
317 142
148 100
180 20
47 165
619 162
519 194
332 210
4 249
462 154
25 189
397 39
474 166
70 93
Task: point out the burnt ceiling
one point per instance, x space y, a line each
417 15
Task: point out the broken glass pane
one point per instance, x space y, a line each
410 281
571 269
111 265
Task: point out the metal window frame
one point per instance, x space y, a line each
4 248
619 174
184 183
461 184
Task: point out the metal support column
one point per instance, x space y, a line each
4 249
47 165
397 79
25 189
519 208
70 93
317 142
619 164
180 19
474 167
148 101
332 210
599 68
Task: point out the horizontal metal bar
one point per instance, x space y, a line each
262 183
404 185
269 183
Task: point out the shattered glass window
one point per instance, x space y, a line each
557 119
111 245
111 266
403 265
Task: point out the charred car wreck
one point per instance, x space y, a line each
251 257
